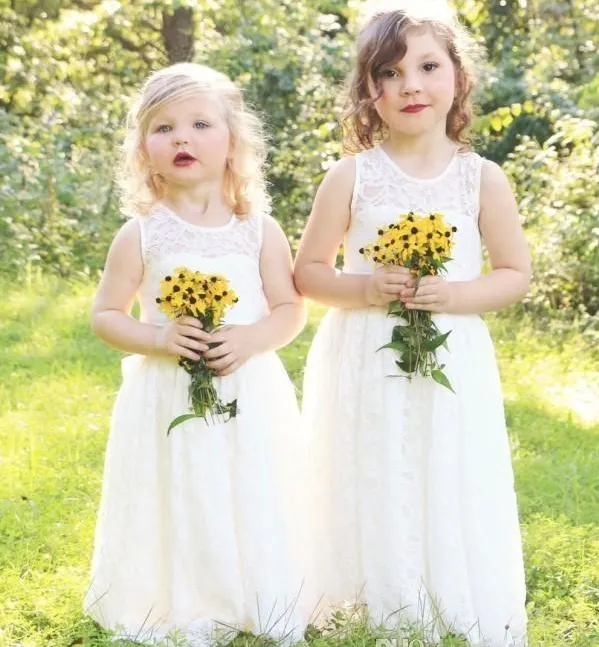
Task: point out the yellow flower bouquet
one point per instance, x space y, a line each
206 297
422 243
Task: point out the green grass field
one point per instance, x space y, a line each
58 384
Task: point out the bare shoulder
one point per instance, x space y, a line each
271 228
129 233
333 198
497 199
270 224
274 239
342 174
492 178
125 249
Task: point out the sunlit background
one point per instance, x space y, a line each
67 70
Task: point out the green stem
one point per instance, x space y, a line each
203 397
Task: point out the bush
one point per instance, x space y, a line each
557 189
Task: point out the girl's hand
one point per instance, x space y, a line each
385 284
433 294
183 337
235 347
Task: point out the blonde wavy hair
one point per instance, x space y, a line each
383 42
244 185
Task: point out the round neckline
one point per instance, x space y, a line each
176 216
413 178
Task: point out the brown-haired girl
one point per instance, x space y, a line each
417 513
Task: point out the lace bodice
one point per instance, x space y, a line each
233 250
382 191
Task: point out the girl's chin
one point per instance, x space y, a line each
191 179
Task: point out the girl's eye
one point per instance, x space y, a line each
389 74
429 67
163 129
200 124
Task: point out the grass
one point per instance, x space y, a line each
58 385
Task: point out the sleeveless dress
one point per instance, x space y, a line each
195 531
417 515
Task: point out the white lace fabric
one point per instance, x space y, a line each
383 192
200 530
416 513
233 250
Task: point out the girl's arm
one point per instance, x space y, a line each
315 273
287 314
287 309
502 233
111 310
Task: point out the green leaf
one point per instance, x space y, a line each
395 345
441 379
179 420
400 333
408 363
396 308
432 344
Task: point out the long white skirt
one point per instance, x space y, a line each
416 513
201 531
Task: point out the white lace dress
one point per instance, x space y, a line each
196 531
417 514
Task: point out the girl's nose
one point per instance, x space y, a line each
411 85
180 136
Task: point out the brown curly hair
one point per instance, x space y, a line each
383 42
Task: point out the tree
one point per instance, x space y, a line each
68 68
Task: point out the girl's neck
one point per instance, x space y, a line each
423 155
421 145
202 205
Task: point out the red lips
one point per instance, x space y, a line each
414 107
183 159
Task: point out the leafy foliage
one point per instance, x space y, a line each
558 191
68 68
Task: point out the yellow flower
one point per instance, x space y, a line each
422 243
182 273
206 296
418 241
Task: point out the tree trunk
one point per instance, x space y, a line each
177 34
